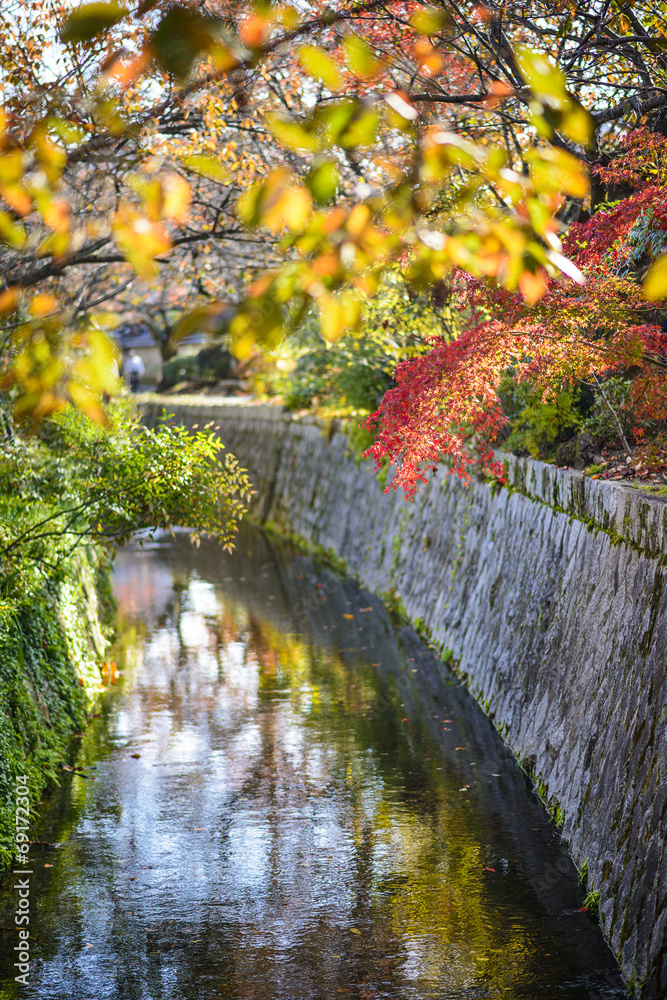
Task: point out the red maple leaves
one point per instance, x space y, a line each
444 404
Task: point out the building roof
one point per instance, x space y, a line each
131 336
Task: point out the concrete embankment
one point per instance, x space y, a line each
550 595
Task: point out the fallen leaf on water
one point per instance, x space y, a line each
375 664
404 720
133 878
348 616
355 930
48 866
460 748
489 869
89 945
465 788
135 755
364 610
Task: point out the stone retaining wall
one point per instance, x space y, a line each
551 596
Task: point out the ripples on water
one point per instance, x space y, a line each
315 813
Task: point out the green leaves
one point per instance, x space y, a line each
181 37
207 166
323 181
212 318
360 57
280 202
553 108
350 123
91 20
293 133
555 171
430 20
318 63
105 482
259 320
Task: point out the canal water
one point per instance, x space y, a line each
287 797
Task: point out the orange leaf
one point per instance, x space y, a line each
428 58
253 30
9 299
42 305
17 198
140 240
533 286
126 71
57 215
177 195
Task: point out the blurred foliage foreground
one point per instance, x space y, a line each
68 497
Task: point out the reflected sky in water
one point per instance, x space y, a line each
291 800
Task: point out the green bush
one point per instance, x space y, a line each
67 497
206 367
537 425
356 372
599 423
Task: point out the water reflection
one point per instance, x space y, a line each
295 814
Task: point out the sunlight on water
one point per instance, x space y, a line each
288 812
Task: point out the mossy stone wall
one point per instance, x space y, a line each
50 651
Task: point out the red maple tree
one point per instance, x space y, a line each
445 403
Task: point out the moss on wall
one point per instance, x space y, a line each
51 645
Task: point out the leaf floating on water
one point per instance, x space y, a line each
48 865
364 610
89 945
355 930
348 616
135 755
490 870
465 788
460 748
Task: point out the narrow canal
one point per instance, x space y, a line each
284 798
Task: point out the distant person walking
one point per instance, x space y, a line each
133 370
